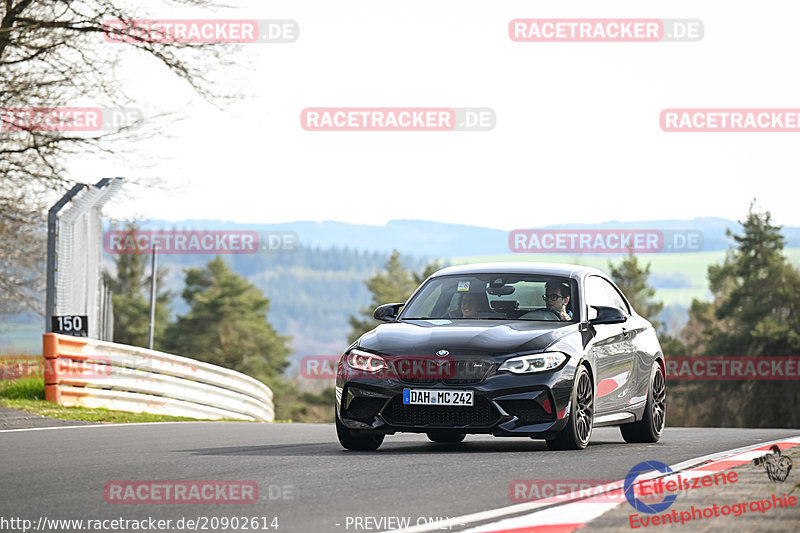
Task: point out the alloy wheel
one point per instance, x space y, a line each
584 408
659 401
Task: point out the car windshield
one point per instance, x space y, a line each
495 297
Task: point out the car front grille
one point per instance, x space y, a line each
482 413
469 371
464 372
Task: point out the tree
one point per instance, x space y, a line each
631 278
758 291
227 324
22 263
130 294
394 284
755 312
54 54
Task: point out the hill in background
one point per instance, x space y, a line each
314 289
436 239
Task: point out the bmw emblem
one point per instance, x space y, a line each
442 353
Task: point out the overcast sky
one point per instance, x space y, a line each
577 138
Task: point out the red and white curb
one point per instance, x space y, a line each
569 517
553 515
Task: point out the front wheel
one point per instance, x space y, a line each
578 431
360 443
651 426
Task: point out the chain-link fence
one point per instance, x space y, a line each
78 302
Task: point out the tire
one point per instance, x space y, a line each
445 436
578 431
359 443
651 426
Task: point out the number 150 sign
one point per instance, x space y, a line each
76 325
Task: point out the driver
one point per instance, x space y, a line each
470 304
556 297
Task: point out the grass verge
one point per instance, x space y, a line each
28 395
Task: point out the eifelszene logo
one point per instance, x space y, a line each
630 483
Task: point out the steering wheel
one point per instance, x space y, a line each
542 314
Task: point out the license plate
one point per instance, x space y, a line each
456 398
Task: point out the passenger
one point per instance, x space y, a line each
556 297
473 303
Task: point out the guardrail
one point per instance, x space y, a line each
90 373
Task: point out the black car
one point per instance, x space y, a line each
535 350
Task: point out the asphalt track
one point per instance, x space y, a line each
305 478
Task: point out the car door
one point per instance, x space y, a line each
611 347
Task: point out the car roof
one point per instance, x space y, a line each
547 269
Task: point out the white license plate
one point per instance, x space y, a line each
457 398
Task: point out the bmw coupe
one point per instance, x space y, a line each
535 350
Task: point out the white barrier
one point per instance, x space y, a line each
90 373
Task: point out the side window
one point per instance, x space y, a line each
614 296
596 294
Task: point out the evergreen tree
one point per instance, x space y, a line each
227 324
758 291
394 284
755 312
631 278
130 295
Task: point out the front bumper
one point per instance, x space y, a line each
505 404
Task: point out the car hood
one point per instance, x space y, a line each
462 337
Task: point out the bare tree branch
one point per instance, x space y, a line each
54 53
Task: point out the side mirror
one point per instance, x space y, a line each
608 315
387 312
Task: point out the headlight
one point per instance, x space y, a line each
367 362
537 362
